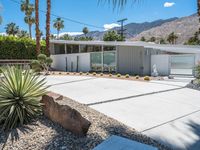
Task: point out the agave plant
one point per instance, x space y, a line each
20 94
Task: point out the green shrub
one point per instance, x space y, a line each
127 76
19 48
137 77
110 75
94 73
67 73
101 74
147 78
80 73
42 63
20 95
118 75
74 73
197 69
87 73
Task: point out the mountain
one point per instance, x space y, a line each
184 28
136 28
132 29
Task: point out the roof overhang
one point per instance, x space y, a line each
164 47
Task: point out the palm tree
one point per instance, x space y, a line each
48 18
85 31
198 4
30 21
117 3
28 9
58 24
37 33
12 29
22 33
172 37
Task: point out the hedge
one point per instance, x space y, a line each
19 48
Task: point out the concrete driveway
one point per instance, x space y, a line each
163 110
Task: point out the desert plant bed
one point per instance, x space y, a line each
106 75
44 134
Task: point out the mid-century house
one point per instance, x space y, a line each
124 57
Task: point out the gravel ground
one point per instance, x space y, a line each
194 84
44 134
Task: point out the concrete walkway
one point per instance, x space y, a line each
163 110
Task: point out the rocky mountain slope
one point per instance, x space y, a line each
184 28
132 29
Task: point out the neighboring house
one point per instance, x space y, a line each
136 58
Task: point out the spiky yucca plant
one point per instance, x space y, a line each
20 94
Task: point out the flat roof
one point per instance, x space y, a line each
163 47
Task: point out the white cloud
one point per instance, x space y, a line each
169 4
71 33
3 34
110 26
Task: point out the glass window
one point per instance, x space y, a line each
83 48
72 49
182 65
109 48
109 61
59 48
96 61
97 48
89 48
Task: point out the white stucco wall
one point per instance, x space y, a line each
59 62
162 64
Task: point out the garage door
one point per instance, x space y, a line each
182 65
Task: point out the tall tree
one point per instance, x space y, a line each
58 24
143 39
22 34
28 9
111 36
172 37
198 6
152 39
12 29
37 33
1 19
85 31
48 19
30 21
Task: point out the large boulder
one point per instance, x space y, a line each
64 115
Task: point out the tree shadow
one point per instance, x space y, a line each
123 131
13 135
63 139
190 139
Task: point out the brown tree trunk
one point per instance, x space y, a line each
48 18
37 27
199 12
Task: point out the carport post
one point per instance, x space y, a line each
102 61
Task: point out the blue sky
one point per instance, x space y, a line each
88 11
